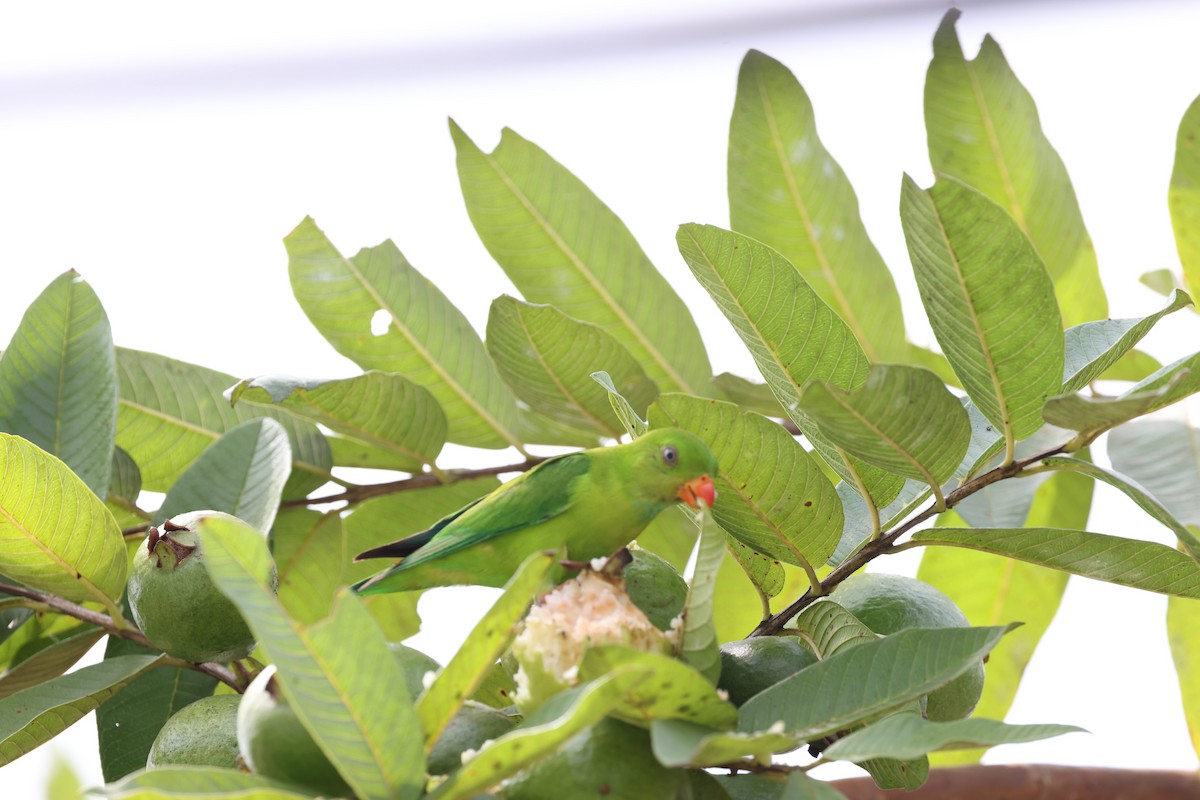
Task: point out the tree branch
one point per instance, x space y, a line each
63 606
876 547
424 480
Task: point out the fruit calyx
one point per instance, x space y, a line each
165 549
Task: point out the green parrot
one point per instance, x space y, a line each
595 502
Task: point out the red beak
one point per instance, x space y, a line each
701 488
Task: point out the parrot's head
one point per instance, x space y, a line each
682 466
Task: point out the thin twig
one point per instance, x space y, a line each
423 481
64 606
884 544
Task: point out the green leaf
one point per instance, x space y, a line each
1134 492
860 683
1163 281
548 359
990 302
539 429
171 411
242 474
748 394
1183 634
992 590
1133 367
678 743
310 555
485 644
339 675
771 494
124 488
1164 456
908 735
903 420
55 534
785 190
1091 416
764 572
556 721
634 425
1183 197
742 606
670 690
129 722
1093 347
828 629
387 411
559 244
200 783
984 130
49 662
672 536
36 715
698 642
63 783
427 339
792 334
58 384
1126 562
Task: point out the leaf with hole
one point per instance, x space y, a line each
426 339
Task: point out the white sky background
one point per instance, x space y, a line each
164 154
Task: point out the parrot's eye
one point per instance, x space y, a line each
670 456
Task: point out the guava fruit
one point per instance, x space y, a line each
274 743
202 733
891 603
473 725
588 610
750 665
655 587
415 664
609 761
174 601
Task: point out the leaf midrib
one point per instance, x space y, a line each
989 126
802 209
887 438
985 347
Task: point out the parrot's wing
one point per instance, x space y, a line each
415 541
540 494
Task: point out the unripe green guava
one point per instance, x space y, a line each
655 587
174 601
201 734
275 744
750 665
467 730
891 603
